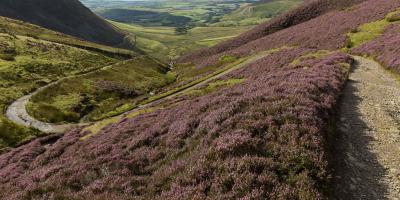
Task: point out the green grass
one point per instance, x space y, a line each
98 95
16 27
257 13
393 16
27 63
12 134
314 55
98 126
214 41
214 86
165 45
369 31
227 63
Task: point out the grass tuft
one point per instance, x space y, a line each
369 31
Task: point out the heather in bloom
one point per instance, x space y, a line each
327 31
386 48
265 138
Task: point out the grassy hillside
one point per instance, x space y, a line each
164 44
27 63
32 56
198 11
143 17
257 13
312 9
17 27
100 94
66 16
201 24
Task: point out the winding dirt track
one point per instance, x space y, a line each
17 112
367 164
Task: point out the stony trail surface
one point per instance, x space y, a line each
17 112
367 160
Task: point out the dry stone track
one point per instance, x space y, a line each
367 161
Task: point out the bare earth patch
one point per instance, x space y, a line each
367 164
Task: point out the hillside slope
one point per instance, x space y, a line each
266 137
66 16
305 12
257 13
32 57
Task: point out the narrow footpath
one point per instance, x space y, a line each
367 160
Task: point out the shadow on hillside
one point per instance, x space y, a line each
357 173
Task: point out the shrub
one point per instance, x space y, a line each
394 16
50 113
7 57
12 134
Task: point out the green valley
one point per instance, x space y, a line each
169 29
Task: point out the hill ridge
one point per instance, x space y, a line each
67 16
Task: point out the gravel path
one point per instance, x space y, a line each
18 114
367 161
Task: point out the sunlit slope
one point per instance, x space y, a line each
32 57
256 13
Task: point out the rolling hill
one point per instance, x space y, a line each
66 16
312 9
264 126
147 18
257 12
32 56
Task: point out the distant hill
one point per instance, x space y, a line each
17 27
309 10
147 18
67 16
257 12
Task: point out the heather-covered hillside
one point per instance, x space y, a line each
303 13
328 31
267 137
385 48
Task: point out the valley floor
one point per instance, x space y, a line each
368 149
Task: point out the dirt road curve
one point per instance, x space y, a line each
367 163
17 112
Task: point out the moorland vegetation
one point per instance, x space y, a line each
261 131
